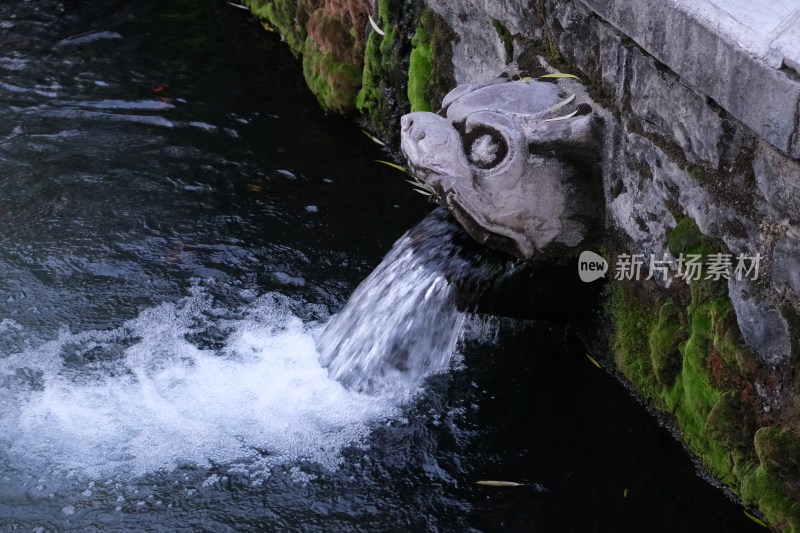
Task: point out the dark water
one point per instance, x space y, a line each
177 222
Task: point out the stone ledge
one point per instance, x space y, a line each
764 28
723 57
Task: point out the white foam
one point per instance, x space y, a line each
144 397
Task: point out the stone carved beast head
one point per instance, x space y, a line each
515 180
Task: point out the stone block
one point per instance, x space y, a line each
778 179
712 63
668 108
786 265
763 327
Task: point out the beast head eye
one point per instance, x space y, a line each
485 148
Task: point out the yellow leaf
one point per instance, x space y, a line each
375 26
562 103
526 79
755 519
559 75
267 27
393 165
498 483
565 117
625 493
255 187
372 138
598 365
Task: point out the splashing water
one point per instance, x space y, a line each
153 394
403 322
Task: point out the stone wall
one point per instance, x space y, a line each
700 155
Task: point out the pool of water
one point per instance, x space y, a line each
178 223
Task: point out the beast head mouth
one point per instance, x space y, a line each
432 147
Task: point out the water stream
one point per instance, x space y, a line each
179 287
403 322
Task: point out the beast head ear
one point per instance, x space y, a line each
580 131
495 147
455 94
507 74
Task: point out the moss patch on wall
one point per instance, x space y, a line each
373 100
683 352
405 71
506 38
348 66
333 82
420 70
283 16
383 97
331 37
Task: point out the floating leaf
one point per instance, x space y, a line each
255 187
756 519
559 75
373 138
240 6
625 493
267 27
375 26
598 365
393 165
498 483
565 117
562 103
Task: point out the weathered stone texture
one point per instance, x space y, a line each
667 108
713 64
479 53
778 180
786 266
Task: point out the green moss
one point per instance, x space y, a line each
404 72
685 237
700 173
283 15
373 98
693 396
369 96
689 361
778 451
665 337
334 83
506 38
727 424
633 319
765 491
420 70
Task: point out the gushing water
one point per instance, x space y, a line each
404 320
194 382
